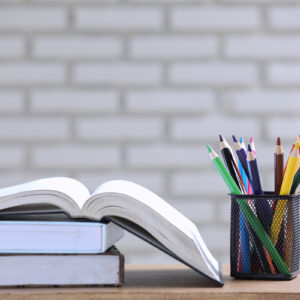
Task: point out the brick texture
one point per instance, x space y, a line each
107 89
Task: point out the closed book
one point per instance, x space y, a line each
106 269
57 237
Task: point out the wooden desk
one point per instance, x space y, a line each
166 282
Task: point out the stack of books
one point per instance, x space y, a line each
50 232
51 249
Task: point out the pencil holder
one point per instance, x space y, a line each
264 236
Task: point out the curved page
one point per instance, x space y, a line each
67 193
177 233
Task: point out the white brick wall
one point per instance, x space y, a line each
11 46
124 73
215 73
170 101
168 47
32 18
27 73
263 46
75 156
285 17
34 129
215 18
120 19
74 101
121 128
70 47
106 89
283 74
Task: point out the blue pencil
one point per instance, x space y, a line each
262 206
246 257
241 154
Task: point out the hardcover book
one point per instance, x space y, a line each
106 269
57 237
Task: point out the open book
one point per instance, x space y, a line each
127 204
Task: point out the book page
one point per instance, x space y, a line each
67 186
150 199
130 201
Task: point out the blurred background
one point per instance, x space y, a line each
100 89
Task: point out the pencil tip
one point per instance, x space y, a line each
278 143
209 148
221 138
297 145
234 138
241 140
251 139
249 148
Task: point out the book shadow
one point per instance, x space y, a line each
166 278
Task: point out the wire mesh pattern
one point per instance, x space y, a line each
279 217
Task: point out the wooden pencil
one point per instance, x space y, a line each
296 139
241 154
262 206
252 145
278 166
278 177
235 165
292 168
228 160
263 209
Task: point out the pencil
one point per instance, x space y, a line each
248 213
285 189
241 154
278 165
296 182
253 172
262 206
279 173
235 165
242 143
228 160
246 232
296 139
244 249
251 142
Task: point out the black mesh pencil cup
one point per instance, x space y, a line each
264 236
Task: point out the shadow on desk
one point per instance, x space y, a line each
166 278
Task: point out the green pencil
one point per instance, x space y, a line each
251 218
296 182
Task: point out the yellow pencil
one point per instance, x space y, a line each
285 189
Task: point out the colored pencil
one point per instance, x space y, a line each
296 139
263 209
244 264
245 232
262 206
296 182
285 189
248 213
235 165
251 142
228 160
253 172
278 166
279 173
241 154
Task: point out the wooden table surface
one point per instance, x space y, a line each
166 282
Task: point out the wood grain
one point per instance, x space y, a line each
166 282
